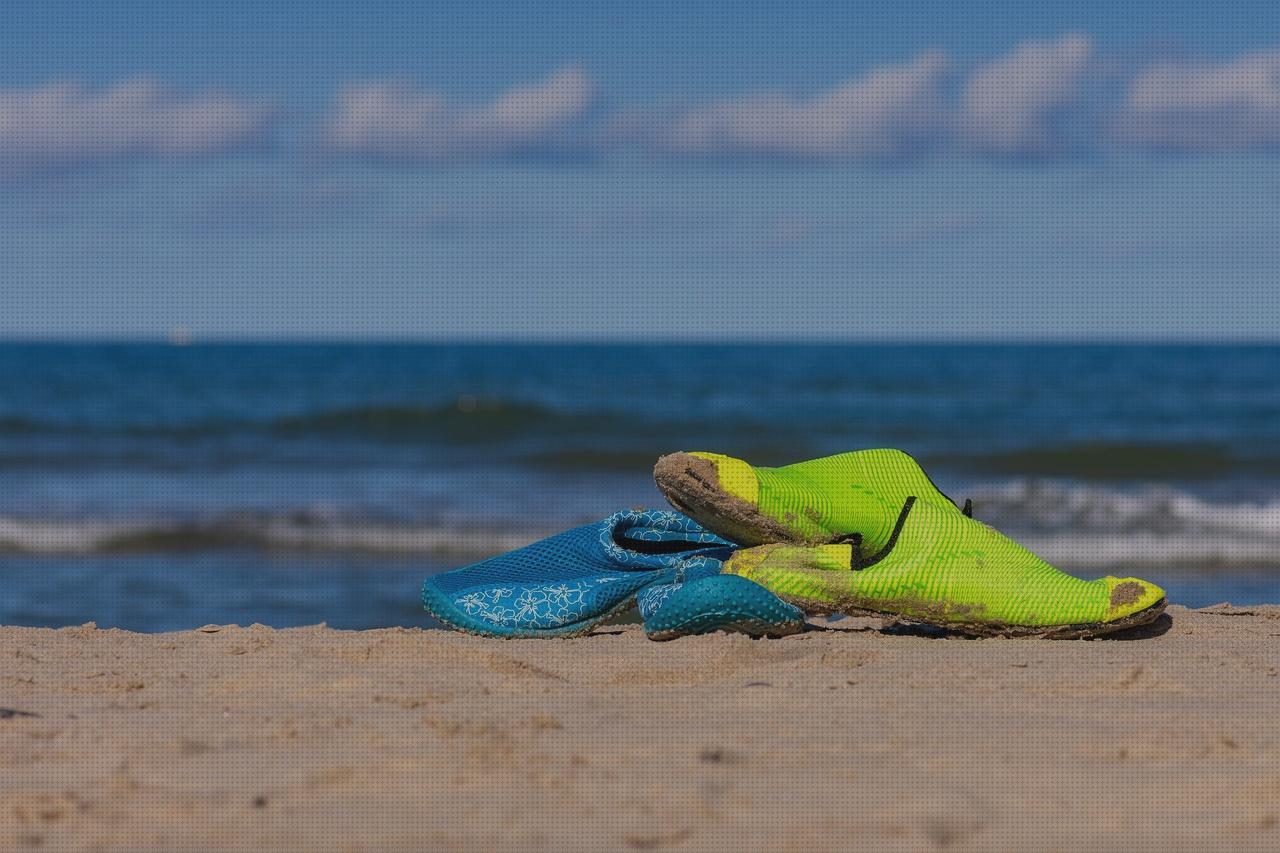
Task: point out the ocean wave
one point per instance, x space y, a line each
1084 526
1135 552
547 438
1118 461
1048 506
469 419
293 532
13 425
1102 527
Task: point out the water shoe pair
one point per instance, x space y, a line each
566 585
859 533
868 532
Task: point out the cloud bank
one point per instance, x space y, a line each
1205 108
1034 103
887 113
397 121
1008 107
63 126
1012 106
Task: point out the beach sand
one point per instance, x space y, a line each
314 739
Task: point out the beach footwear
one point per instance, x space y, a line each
942 568
716 603
567 584
811 502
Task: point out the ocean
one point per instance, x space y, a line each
156 487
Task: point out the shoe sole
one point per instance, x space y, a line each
978 629
754 628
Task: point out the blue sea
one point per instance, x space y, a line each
156 487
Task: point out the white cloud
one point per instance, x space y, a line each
62 126
1192 108
398 121
887 113
1027 103
1008 107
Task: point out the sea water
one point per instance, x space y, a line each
158 487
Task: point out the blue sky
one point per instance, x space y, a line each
583 170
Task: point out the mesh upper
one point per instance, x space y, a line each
591 550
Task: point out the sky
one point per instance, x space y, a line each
632 171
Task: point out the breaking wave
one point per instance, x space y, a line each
1120 461
1103 527
291 532
1086 526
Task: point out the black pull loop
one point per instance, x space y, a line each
854 541
968 507
856 559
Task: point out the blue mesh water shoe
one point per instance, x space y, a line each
567 584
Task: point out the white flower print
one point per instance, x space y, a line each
473 602
499 615
565 596
529 603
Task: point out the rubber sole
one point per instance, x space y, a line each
977 629
751 627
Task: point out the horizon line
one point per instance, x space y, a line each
304 340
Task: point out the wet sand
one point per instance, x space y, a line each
313 739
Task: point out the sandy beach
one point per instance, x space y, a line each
248 738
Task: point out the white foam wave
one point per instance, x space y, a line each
1049 506
92 536
1147 550
1085 526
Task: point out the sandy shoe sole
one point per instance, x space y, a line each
980 629
751 627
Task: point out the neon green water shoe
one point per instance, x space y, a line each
941 568
813 502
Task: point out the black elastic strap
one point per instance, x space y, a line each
854 541
858 562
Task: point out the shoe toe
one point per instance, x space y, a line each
697 477
1127 596
737 478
